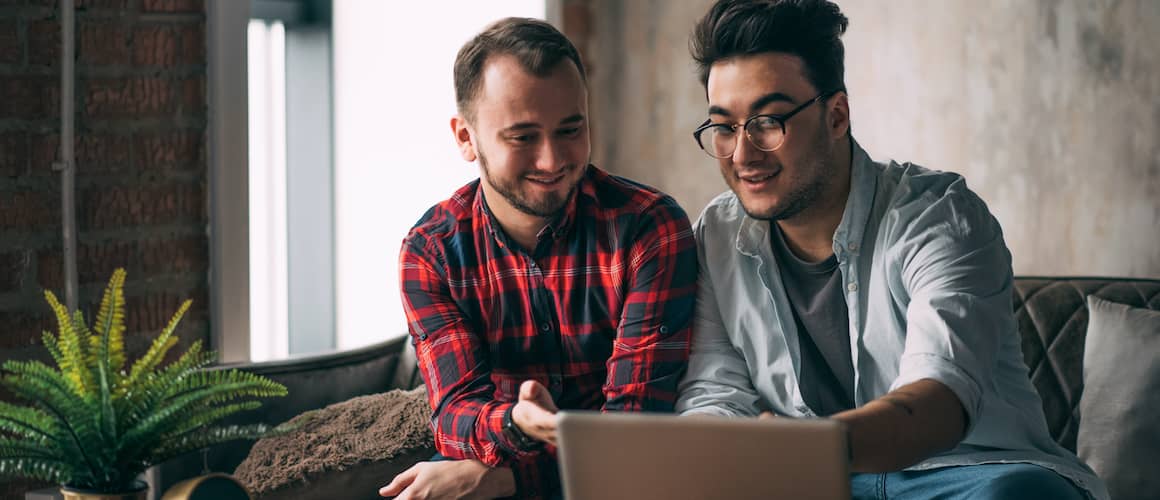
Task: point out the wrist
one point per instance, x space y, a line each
521 440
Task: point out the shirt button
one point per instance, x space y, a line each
853 247
664 329
853 287
545 327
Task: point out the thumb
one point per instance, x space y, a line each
535 392
399 483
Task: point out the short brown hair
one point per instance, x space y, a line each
537 45
809 29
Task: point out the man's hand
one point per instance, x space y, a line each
535 412
461 479
765 415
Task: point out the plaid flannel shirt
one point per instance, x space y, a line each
599 313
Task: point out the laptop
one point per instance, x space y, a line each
664 457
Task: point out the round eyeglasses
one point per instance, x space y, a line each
765 132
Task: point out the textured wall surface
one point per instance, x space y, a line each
1048 108
141 168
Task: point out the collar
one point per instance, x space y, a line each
556 228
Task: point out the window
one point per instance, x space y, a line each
349 143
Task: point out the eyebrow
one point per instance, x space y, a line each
761 102
576 118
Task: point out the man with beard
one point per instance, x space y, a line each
831 285
546 284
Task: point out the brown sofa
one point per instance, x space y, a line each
1051 313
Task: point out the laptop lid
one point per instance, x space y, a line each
655 456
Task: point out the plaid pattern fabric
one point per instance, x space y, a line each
599 313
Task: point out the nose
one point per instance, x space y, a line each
746 153
551 156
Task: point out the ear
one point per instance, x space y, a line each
838 116
463 137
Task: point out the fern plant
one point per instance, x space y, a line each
95 423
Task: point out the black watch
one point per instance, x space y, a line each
513 432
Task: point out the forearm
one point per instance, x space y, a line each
903 427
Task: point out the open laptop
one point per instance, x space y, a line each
665 457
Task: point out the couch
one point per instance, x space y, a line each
1050 311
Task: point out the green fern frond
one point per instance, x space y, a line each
53 348
179 445
35 468
160 346
72 348
110 323
26 422
93 424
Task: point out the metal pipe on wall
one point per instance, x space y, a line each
67 163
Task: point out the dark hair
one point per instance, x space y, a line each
809 29
537 45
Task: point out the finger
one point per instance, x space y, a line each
765 415
535 392
400 482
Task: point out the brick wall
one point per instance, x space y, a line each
141 167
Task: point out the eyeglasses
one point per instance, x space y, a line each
765 132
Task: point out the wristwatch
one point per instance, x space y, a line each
516 435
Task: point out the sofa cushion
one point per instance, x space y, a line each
1052 317
1118 436
346 450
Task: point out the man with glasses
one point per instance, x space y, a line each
547 283
831 285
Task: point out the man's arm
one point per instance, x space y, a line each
651 349
717 382
903 427
467 422
956 271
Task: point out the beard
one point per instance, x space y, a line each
816 173
546 206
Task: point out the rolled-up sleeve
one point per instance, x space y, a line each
717 382
956 270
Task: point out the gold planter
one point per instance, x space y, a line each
139 493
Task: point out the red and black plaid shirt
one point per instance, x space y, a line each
599 313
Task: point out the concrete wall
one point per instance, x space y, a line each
1050 109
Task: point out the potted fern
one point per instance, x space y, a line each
95 423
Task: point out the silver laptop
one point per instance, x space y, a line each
653 456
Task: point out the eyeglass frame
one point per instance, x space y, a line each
781 120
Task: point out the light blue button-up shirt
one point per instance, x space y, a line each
929 290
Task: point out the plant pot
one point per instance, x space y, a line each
139 491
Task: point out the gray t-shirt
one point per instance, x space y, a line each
815 294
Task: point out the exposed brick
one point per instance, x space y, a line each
173 6
13 154
193 96
44 42
49 269
155 45
193 44
123 206
169 149
182 255
29 97
94 152
30 210
13 268
10 49
103 42
23 328
45 150
103 4
143 97
152 312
